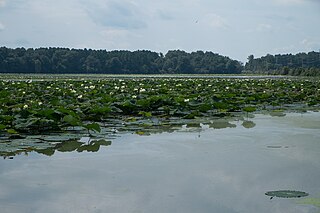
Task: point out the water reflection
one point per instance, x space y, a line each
49 148
72 140
226 170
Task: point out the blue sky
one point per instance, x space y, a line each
230 27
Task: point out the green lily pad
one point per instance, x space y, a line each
248 124
221 124
277 114
286 194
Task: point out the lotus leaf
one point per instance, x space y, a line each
286 194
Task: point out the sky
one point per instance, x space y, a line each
231 28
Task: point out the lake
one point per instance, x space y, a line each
193 169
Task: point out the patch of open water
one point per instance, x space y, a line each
225 170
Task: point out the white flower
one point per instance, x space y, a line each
142 90
186 100
92 87
116 87
25 106
72 91
40 103
80 96
227 87
134 96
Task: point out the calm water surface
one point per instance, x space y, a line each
192 170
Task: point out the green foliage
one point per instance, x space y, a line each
286 194
87 102
65 60
71 120
93 126
301 64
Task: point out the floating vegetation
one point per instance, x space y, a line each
248 124
286 194
277 114
101 106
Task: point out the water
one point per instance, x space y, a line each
225 170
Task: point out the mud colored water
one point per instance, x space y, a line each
225 170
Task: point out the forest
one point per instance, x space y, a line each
304 64
54 60
85 61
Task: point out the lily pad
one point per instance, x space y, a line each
248 124
221 124
286 194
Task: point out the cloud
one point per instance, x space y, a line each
264 28
116 14
215 21
310 44
292 2
288 1
2 3
2 27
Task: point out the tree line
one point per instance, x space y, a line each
304 64
85 61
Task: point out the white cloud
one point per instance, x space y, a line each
289 2
215 21
264 28
2 27
2 3
310 44
120 14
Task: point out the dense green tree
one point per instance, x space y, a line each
307 64
65 60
